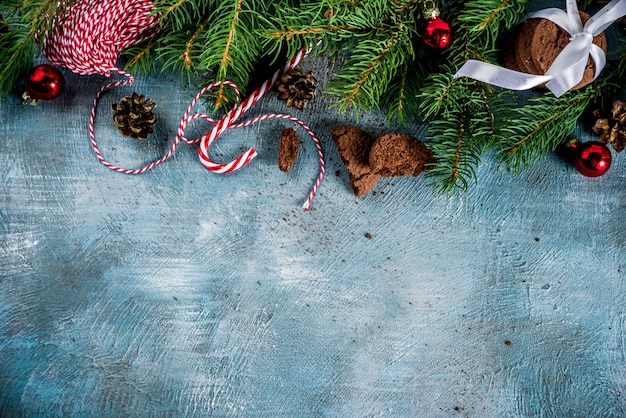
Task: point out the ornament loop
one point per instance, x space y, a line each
430 9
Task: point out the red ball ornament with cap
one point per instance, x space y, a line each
591 159
44 82
437 33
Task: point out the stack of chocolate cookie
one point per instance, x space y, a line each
535 44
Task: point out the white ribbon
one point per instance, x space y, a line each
568 68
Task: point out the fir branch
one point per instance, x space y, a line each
225 59
454 171
441 94
402 96
230 43
357 87
396 97
181 15
290 33
470 45
17 49
408 6
480 24
369 13
186 55
175 48
369 69
226 54
320 24
491 18
174 6
541 126
464 131
141 57
455 157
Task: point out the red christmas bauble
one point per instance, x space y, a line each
44 82
437 34
591 159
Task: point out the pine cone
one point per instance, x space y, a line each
612 129
296 87
133 116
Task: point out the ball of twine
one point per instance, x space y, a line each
90 34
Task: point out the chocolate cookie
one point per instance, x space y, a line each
287 149
523 47
399 155
549 40
354 145
508 58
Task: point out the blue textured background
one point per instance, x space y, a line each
184 293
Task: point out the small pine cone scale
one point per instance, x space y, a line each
611 129
133 116
296 87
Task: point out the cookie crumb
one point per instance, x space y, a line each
354 146
287 149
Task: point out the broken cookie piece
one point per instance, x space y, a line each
354 146
399 155
288 147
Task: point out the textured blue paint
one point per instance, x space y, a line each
183 293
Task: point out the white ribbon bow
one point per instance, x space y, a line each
568 68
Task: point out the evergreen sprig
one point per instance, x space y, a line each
541 125
470 119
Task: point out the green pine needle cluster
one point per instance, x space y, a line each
381 64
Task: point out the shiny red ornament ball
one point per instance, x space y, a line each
44 82
437 34
591 159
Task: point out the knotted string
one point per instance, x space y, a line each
568 68
89 39
228 121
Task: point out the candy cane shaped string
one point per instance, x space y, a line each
233 115
88 39
227 121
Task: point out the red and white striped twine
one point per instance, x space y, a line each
91 33
89 41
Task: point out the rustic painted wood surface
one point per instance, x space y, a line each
184 293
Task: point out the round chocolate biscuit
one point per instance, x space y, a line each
523 47
507 53
549 40
399 155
